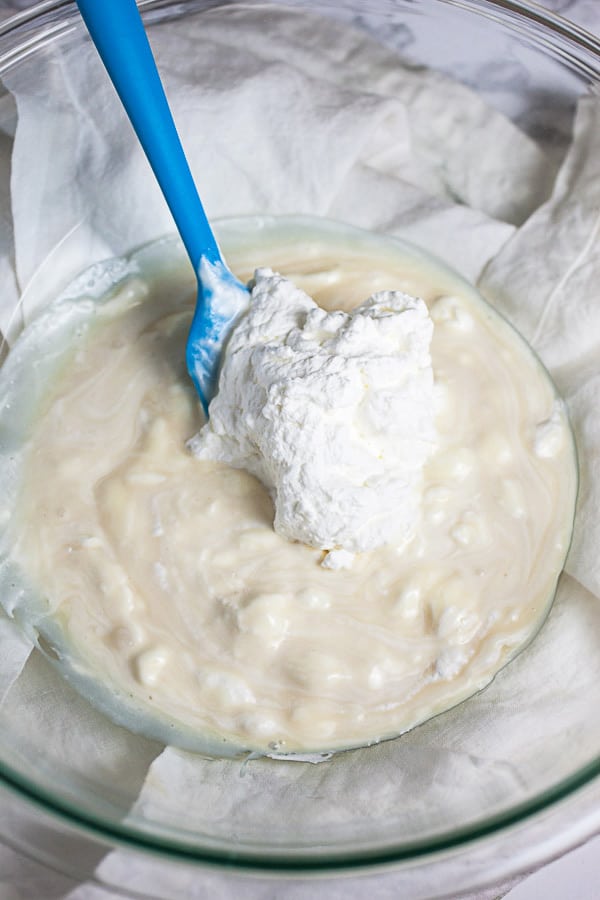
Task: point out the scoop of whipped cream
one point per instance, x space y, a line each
332 411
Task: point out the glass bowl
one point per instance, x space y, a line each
485 790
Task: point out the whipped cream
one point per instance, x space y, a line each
332 411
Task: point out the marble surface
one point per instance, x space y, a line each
574 876
585 13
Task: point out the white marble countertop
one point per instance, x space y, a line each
575 876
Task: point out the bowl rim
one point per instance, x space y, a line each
528 11
118 835
509 13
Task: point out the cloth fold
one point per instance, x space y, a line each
283 112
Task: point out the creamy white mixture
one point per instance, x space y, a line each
332 411
157 578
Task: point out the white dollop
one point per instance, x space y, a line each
332 411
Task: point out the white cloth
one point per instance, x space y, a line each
339 129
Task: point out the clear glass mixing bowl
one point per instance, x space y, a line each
475 794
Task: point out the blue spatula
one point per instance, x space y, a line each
117 31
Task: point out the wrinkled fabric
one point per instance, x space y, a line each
323 121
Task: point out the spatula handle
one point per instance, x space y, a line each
117 31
